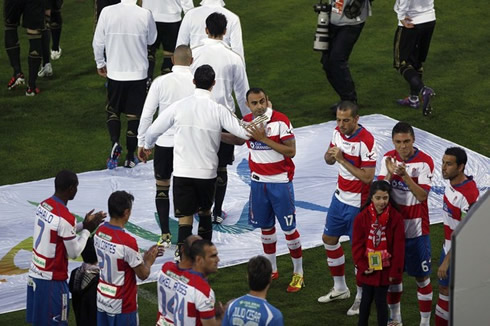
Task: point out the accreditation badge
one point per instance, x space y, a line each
375 261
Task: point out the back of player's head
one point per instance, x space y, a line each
198 248
183 55
204 77
118 202
255 90
259 273
88 254
64 180
216 24
349 106
402 128
187 244
459 153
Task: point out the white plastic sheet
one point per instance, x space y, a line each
314 184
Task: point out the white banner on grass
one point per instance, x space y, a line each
314 184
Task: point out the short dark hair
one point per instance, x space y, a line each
118 202
259 271
216 24
255 90
64 180
88 254
459 153
187 244
197 248
402 128
204 77
349 106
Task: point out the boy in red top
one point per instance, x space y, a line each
378 237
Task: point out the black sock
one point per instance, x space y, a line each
56 23
13 48
219 197
185 230
131 136
46 40
205 229
34 59
151 61
163 206
113 125
413 78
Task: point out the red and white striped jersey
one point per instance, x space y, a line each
267 165
420 168
457 201
360 150
184 297
117 253
54 223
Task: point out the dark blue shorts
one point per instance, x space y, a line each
417 256
268 200
47 302
340 218
106 319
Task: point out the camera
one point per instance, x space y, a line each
322 38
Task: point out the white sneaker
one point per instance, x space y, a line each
55 55
46 70
394 323
354 309
334 295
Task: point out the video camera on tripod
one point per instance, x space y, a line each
322 37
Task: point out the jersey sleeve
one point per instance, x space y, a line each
67 228
384 170
425 176
368 153
131 253
286 131
205 304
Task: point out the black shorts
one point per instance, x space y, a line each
192 195
411 45
32 12
126 96
163 162
53 5
167 36
226 154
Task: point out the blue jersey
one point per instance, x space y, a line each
252 311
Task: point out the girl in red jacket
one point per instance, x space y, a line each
378 249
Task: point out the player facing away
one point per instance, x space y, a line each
120 261
55 240
168 282
253 308
272 147
164 91
354 149
186 294
409 170
460 194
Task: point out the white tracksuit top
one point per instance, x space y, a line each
124 30
198 121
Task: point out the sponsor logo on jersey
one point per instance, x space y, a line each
181 278
104 236
107 289
38 261
259 146
47 206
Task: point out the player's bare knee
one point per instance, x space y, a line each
421 279
163 182
185 220
112 115
444 290
205 212
330 240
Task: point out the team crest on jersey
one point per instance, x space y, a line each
47 206
257 145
